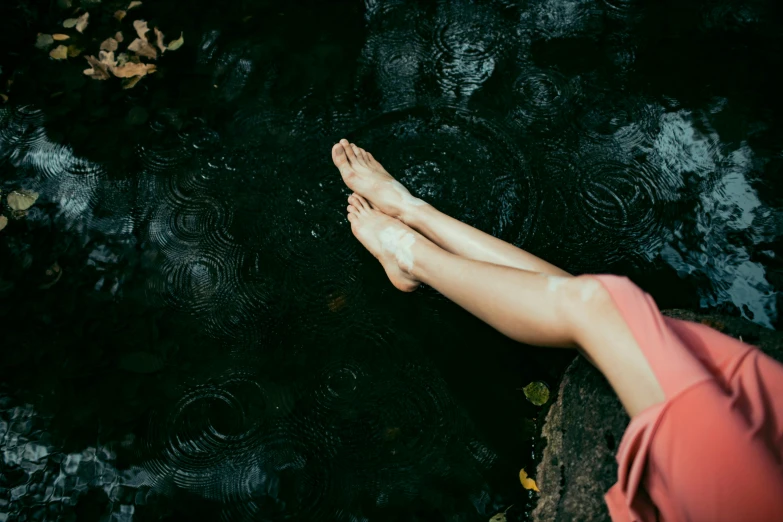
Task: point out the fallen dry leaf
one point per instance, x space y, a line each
141 29
44 41
176 44
81 23
133 4
60 37
22 199
119 15
337 303
527 483
3 97
100 67
131 69
3 222
119 37
143 48
161 45
109 44
59 53
74 51
122 59
501 517
70 23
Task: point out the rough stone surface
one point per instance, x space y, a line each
586 423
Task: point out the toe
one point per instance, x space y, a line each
338 155
348 150
353 218
352 209
363 202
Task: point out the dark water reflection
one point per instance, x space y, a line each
219 347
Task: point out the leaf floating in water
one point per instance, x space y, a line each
100 68
527 482
109 44
337 303
82 21
131 69
44 41
141 45
133 4
119 36
3 97
70 23
59 53
60 37
74 51
537 392
140 362
3 222
119 15
130 83
22 199
176 44
159 36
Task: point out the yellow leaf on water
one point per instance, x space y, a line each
119 15
131 69
133 4
159 36
22 199
500 517
59 53
109 44
527 482
70 23
141 29
60 37
176 44
81 23
3 222
143 48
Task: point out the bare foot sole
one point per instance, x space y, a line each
389 240
367 178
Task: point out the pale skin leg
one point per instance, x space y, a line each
528 306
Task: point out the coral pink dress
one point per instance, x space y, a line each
711 451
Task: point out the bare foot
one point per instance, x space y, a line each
387 239
366 177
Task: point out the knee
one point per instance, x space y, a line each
584 300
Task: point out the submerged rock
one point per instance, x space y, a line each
586 423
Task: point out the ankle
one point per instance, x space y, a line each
415 215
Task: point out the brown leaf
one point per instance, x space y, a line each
74 51
122 59
176 44
161 45
130 83
60 37
3 222
81 23
133 69
141 29
119 37
143 48
527 483
59 53
119 15
98 70
133 4
109 44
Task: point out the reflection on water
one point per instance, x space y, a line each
219 347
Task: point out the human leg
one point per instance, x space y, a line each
367 177
533 308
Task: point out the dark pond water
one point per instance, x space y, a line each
189 330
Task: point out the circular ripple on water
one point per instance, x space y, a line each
467 46
629 123
543 99
23 127
465 165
